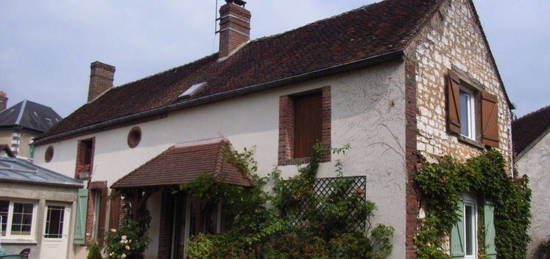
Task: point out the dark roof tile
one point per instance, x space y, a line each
529 128
365 32
29 115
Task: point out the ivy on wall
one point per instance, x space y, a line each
441 185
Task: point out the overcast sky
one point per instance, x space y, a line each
46 46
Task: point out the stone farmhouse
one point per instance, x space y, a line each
532 148
393 79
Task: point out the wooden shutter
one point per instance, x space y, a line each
453 104
81 211
489 217
489 119
114 215
457 235
307 124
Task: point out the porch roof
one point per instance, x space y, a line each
182 163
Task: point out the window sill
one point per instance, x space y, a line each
18 241
301 161
471 142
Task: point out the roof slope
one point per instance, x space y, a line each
362 33
529 128
22 171
29 115
183 163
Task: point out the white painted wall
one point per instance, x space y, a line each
368 112
535 163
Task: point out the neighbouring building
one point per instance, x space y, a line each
532 147
394 79
22 122
37 208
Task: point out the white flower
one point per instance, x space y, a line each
113 230
127 247
123 237
123 256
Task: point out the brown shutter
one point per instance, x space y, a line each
307 124
489 119
453 104
114 215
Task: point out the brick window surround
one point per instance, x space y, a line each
286 127
102 188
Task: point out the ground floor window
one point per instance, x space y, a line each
470 228
18 218
474 213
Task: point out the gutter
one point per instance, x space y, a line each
362 63
62 185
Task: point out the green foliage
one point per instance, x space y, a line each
441 185
94 252
130 239
543 250
276 224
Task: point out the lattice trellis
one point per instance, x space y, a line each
323 187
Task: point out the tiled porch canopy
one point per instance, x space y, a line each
182 163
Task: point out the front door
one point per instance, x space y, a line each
56 232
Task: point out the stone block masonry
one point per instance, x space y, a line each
453 40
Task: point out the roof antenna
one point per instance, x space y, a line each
215 27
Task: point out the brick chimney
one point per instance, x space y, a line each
234 26
3 101
101 79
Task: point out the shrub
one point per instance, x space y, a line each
292 221
94 252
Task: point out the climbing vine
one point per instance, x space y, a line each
276 224
129 240
441 185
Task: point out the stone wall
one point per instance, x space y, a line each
453 39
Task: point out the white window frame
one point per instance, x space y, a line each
32 235
471 113
471 201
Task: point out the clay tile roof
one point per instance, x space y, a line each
529 128
367 32
182 163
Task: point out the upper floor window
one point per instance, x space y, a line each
472 112
304 120
85 158
307 123
468 113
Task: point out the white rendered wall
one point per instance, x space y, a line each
535 163
368 112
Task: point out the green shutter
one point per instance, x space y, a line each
489 216
81 211
457 235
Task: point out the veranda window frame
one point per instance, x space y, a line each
9 222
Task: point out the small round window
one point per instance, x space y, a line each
134 137
49 154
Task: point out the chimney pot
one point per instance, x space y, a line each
101 79
3 101
234 27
